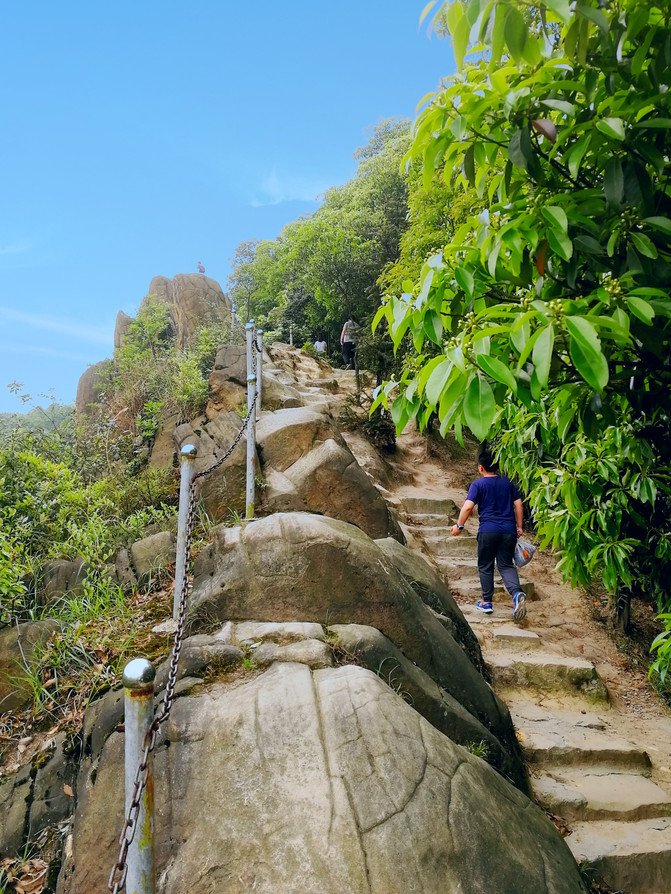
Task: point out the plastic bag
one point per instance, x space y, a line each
524 552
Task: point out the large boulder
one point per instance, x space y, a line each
62 576
193 300
121 328
302 567
17 646
308 467
223 491
92 385
152 553
325 781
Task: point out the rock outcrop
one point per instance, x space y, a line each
17 646
302 781
193 300
92 385
301 567
121 327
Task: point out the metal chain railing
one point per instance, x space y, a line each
117 879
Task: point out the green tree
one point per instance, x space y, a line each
552 300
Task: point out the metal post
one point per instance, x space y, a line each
259 371
291 334
187 456
250 490
138 682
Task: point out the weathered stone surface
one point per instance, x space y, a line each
430 588
62 576
228 380
368 457
286 436
92 384
193 300
222 492
123 570
302 567
15 793
152 553
164 449
631 857
53 790
121 327
312 652
249 631
548 671
17 645
369 647
319 782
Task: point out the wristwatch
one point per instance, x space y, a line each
461 527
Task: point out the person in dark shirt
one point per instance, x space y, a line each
500 510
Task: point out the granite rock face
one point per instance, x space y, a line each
323 781
192 300
17 645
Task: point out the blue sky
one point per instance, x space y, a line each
142 137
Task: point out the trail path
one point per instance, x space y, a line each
596 739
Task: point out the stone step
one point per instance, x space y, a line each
433 531
600 794
471 586
552 737
547 671
502 614
509 636
449 547
429 506
634 857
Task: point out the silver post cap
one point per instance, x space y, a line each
139 674
189 451
250 379
249 326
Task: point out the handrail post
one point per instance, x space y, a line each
259 372
138 682
251 422
187 456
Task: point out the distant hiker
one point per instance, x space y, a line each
201 269
320 346
500 510
348 342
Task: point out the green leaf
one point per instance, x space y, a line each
594 15
479 407
576 154
515 33
469 164
641 309
560 105
465 279
519 149
427 9
611 127
460 37
613 183
644 245
437 381
560 244
380 314
497 370
556 216
586 354
542 354
451 399
433 326
663 224
655 123
560 8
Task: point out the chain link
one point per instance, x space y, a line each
117 879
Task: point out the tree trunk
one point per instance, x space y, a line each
622 612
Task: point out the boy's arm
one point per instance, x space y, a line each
518 506
466 510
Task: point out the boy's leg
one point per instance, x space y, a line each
508 571
487 548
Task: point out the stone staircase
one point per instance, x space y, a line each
599 785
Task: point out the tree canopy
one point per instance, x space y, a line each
543 321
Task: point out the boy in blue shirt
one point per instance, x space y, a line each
501 511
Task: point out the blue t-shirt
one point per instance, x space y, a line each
494 497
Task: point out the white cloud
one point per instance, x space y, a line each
99 334
277 188
16 248
23 350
